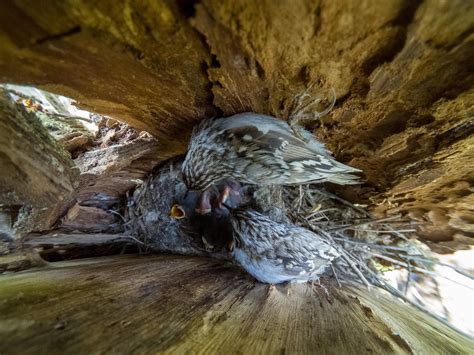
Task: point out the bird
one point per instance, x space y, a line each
162 216
271 252
274 253
226 191
214 229
257 149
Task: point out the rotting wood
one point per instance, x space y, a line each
37 250
107 173
138 62
60 239
58 245
402 77
37 175
90 219
404 115
98 178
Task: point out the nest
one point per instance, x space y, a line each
368 246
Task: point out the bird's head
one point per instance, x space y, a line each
204 165
225 194
213 229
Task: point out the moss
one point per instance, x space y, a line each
59 127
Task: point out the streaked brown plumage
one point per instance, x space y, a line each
269 251
278 252
257 149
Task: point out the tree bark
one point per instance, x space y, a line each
403 79
401 71
37 175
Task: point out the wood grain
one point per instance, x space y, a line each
175 305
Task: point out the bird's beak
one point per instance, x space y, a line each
230 245
224 195
177 212
204 203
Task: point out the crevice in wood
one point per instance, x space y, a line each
54 37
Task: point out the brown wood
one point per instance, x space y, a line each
401 71
58 245
40 183
67 240
107 173
175 305
149 64
37 176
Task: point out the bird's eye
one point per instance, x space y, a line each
177 212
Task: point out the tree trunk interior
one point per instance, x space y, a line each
403 77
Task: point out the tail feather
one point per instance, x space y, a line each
344 179
345 176
314 172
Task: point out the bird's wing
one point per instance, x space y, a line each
302 251
274 152
292 250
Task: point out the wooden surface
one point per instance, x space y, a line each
36 173
401 70
40 183
172 304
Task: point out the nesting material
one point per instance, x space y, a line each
367 246
364 242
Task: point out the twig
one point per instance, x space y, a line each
300 198
299 115
118 214
135 239
382 231
407 284
321 211
373 221
356 270
337 198
434 261
388 247
335 274
424 271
